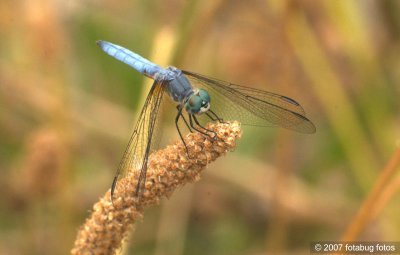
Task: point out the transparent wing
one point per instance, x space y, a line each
141 142
252 106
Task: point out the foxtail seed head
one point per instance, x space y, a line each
169 168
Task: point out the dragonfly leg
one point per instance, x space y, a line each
184 119
198 124
211 117
198 130
179 131
216 116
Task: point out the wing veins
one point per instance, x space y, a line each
139 145
293 118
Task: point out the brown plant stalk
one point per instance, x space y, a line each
109 224
374 198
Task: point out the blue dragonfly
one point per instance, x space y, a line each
193 94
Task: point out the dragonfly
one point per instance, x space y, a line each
193 93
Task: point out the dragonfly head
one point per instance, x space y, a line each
198 102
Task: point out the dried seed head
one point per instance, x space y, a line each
169 168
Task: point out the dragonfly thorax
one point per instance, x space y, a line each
167 74
198 102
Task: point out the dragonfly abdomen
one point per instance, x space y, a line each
130 58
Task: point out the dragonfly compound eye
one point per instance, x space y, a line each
203 94
194 104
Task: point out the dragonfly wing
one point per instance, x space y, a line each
136 155
265 108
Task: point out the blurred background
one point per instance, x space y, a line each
67 110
